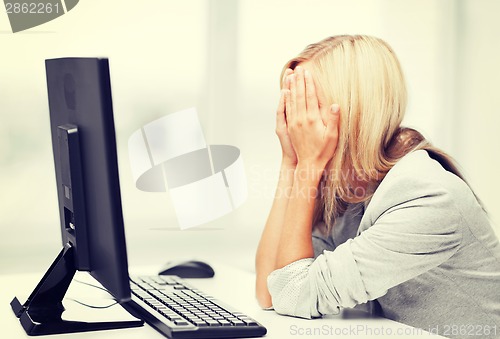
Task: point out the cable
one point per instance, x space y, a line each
86 283
93 306
95 286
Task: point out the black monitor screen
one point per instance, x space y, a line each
80 104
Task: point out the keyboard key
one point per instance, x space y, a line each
249 321
225 322
212 322
200 323
158 280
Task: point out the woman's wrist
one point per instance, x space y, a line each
288 163
287 172
311 172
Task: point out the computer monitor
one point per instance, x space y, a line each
84 147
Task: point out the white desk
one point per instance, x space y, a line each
232 286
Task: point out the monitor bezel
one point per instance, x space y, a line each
86 102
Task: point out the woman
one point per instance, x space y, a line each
368 210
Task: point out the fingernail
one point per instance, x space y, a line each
335 108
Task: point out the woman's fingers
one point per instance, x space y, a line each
288 71
291 99
280 112
311 96
300 92
288 107
313 127
332 124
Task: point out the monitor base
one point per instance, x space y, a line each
41 314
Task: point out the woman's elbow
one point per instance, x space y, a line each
264 301
283 307
262 293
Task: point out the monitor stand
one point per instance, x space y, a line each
41 314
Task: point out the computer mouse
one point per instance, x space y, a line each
188 269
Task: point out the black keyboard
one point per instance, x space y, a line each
179 310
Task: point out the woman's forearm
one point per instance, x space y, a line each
308 133
265 261
296 236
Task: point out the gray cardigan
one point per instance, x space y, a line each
424 249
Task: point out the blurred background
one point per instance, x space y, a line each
224 57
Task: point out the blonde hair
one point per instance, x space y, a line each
363 76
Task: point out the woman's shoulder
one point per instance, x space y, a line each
417 163
418 170
418 176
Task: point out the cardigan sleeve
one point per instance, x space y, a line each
406 240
